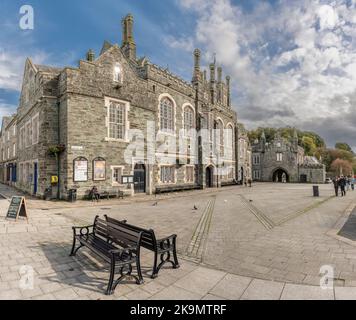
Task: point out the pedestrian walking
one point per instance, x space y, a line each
342 184
336 186
348 183
352 183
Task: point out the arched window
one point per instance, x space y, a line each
230 136
166 115
220 136
117 73
188 119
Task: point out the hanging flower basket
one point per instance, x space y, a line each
55 150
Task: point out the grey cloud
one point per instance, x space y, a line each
256 113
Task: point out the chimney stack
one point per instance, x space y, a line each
90 55
212 82
128 43
228 91
196 74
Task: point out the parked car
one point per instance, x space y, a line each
328 180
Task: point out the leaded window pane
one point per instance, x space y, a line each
116 120
166 115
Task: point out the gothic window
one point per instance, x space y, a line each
203 123
256 174
28 133
35 129
117 119
166 115
117 73
188 119
256 159
230 136
189 174
230 173
220 137
167 174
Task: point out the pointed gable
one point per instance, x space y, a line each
28 83
106 46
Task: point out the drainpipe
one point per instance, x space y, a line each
58 155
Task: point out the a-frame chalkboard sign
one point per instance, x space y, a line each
17 208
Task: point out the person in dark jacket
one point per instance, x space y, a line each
336 186
342 184
95 195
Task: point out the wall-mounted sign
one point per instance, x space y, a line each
77 148
127 179
80 170
99 169
17 208
54 179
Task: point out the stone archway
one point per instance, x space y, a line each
280 175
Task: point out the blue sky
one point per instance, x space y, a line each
291 62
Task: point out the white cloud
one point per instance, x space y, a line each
298 55
12 66
328 18
6 109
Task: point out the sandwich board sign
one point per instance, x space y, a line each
17 208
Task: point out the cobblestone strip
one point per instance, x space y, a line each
303 211
197 244
267 222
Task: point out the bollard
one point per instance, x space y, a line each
316 191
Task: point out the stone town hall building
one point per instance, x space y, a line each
74 124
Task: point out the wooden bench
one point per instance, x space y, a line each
106 193
164 247
228 183
117 244
174 188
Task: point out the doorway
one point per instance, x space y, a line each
209 177
140 178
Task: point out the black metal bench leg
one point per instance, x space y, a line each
109 290
176 263
73 247
139 272
155 271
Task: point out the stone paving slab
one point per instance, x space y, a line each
240 259
303 292
263 290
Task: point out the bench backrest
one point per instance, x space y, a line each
118 234
148 239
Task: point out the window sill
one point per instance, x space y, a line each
115 140
167 133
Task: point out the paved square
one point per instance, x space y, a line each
264 242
